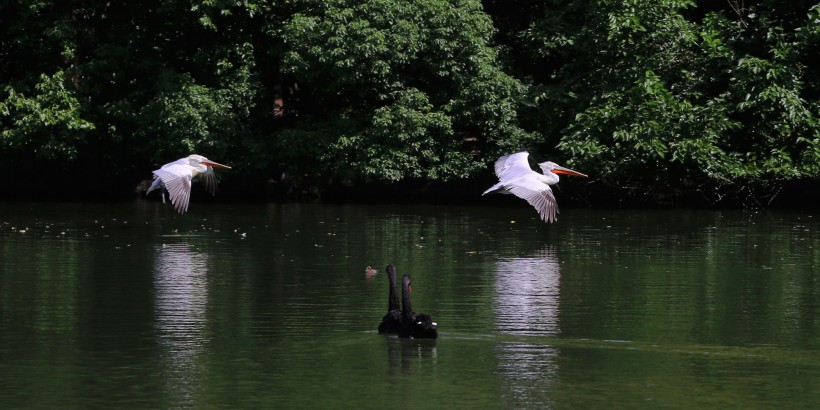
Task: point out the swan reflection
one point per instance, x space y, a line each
526 302
411 355
180 283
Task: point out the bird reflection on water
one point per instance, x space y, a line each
527 294
526 301
180 283
411 355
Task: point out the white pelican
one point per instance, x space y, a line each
517 178
176 178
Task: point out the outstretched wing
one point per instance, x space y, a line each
536 193
181 161
512 166
177 180
208 179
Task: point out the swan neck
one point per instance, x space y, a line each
406 306
393 300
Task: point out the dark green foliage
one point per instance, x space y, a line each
47 123
416 83
651 96
659 96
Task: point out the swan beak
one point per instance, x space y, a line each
215 164
567 171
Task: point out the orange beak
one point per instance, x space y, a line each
215 164
567 171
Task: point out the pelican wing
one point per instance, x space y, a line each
208 179
181 161
177 180
537 193
512 166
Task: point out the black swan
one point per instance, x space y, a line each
416 326
391 322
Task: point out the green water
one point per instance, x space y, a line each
129 305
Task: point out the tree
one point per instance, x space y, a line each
393 89
661 97
665 96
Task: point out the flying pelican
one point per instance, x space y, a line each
176 178
517 178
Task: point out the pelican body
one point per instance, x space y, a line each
517 178
176 177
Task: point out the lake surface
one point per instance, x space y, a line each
130 305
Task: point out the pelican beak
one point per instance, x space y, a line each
567 171
215 164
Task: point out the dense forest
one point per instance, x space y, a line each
673 102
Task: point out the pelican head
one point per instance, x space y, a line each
195 159
550 167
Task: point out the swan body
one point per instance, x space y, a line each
414 326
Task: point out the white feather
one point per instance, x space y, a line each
516 177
